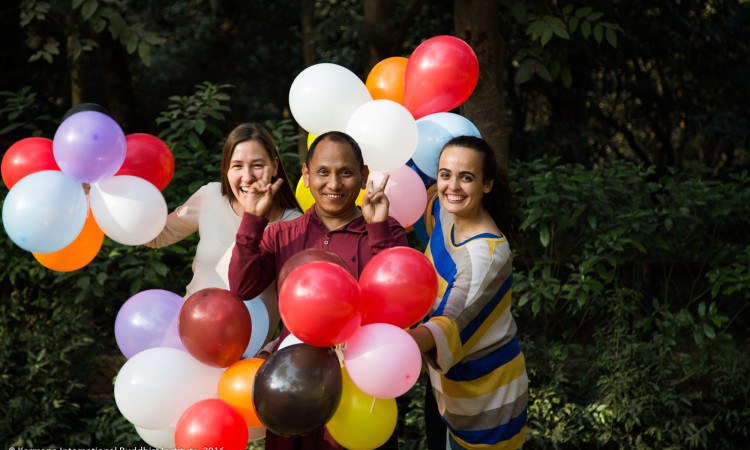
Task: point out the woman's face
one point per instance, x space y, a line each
246 166
459 181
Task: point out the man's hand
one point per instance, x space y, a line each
375 203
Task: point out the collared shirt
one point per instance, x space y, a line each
258 256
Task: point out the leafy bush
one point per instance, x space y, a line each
630 291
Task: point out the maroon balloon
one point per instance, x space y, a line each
399 286
25 157
306 256
215 327
148 157
211 424
320 303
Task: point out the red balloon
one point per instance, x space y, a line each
25 157
320 303
306 256
399 286
148 157
211 424
215 327
441 73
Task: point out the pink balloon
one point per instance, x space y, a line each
441 73
382 360
406 194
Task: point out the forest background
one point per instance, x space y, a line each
624 127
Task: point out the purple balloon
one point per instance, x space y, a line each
149 319
89 146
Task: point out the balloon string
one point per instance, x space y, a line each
373 404
340 353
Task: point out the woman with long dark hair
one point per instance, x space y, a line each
477 372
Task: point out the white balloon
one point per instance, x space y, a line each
157 438
128 209
156 385
386 132
323 97
259 331
44 211
289 340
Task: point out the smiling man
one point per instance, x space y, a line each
335 172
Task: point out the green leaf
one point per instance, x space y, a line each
583 12
611 37
200 126
594 16
144 52
89 8
586 29
546 35
566 77
573 24
544 236
708 330
77 3
598 33
567 9
525 71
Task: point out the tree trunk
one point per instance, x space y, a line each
379 14
307 22
477 23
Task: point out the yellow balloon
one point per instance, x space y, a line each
310 138
358 423
304 196
306 199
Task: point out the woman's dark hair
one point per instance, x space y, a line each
500 202
336 136
258 133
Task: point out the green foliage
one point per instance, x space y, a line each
562 22
632 307
101 15
22 113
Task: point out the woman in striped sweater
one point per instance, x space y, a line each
476 368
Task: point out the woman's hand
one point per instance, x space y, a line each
259 200
375 204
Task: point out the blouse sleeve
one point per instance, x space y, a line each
181 223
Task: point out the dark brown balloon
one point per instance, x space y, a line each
305 256
215 327
297 389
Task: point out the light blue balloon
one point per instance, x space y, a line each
45 211
259 320
434 131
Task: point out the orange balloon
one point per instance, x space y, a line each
386 79
236 388
79 252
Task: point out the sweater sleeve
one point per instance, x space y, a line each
383 235
181 223
252 266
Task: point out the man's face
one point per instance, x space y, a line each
334 179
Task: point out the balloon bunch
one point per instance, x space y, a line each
302 387
47 211
399 116
184 384
191 381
